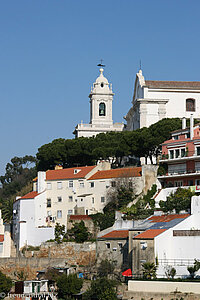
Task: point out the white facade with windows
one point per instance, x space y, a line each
101 98
155 100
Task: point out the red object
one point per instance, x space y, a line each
127 273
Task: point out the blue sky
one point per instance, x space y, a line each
49 51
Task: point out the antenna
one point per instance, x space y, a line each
140 64
101 64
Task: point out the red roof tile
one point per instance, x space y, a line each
120 234
30 195
118 173
68 173
167 218
1 238
149 234
173 84
80 217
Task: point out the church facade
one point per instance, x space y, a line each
101 99
155 100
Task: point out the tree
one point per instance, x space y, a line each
79 232
59 233
67 285
180 200
170 272
193 269
101 289
19 173
103 221
105 268
149 270
5 283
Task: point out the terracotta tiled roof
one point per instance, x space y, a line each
167 218
80 217
116 234
118 173
30 195
173 84
149 234
1 238
68 173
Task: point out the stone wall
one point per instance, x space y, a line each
49 255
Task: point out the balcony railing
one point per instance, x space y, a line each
176 262
180 155
181 172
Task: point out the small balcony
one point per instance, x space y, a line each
181 173
180 156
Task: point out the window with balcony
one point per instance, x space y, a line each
190 104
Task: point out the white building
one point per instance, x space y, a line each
5 239
178 246
101 98
155 100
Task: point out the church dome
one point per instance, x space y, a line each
101 78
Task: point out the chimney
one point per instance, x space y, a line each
183 123
191 127
58 167
41 181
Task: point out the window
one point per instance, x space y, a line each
113 183
49 186
177 153
59 199
59 185
171 154
175 137
114 249
183 152
70 199
86 212
120 245
190 104
92 200
81 199
108 245
197 182
70 211
187 135
71 184
190 182
198 150
102 109
91 184
81 184
178 183
48 202
102 199
59 214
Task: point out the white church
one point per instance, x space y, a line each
155 100
101 99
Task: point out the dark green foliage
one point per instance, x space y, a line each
105 268
67 285
103 221
59 233
5 283
149 270
19 173
101 289
144 142
144 207
52 274
180 200
193 269
80 232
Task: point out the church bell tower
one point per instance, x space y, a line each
101 97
